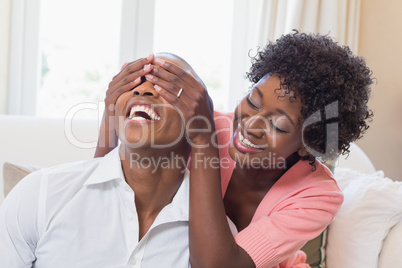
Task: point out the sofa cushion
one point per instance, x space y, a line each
371 207
13 173
392 248
315 250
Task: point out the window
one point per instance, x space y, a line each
199 32
79 53
68 51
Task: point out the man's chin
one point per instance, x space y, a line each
134 141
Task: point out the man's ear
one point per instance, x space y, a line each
302 151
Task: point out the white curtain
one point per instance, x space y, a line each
256 22
338 18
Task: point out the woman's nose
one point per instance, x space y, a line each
256 126
146 89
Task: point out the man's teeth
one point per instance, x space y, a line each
246 142
145 109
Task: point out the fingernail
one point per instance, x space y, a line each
147 67
149 76
160 62
124 65
157 88
190 73
150 56
137 80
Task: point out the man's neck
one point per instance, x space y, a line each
155 176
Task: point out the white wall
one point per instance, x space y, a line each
5 11
379 44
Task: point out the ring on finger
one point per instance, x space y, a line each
180 91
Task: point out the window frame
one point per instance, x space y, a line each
24 57
137 21
25 64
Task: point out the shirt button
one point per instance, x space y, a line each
133 261
130 219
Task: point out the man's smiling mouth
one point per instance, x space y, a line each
143 112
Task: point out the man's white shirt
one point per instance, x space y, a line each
83 214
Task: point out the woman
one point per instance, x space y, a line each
309 99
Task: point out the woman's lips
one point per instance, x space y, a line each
244 145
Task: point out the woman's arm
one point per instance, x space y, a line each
128 78
211 241
108 139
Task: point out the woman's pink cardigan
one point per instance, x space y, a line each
300 205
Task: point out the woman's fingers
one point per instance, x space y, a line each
133 67
175 95
138 64
133 79
186 92
172 82
115 93
172 87
178 103
128 78
124 66
174 69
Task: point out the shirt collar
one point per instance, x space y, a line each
178 209
109 168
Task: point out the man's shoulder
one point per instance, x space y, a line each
56 186
70 177
68 172
82 166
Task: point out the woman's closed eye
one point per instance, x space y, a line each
252 105
277 128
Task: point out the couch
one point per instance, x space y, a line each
367 232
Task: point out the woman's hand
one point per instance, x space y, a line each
186 92
210 239
211 242
128 78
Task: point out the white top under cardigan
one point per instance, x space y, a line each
83 214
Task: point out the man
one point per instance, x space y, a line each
127 209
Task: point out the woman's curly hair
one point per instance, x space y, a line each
332 84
